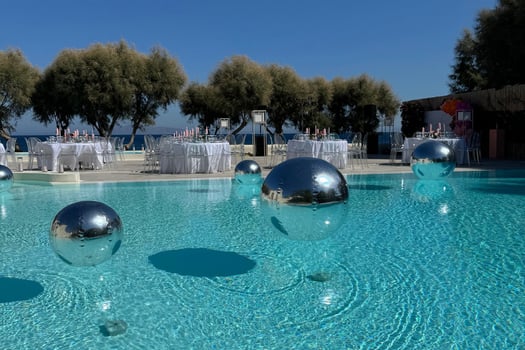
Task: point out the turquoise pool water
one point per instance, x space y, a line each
416 265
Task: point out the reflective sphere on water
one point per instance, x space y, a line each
305 198
433 160
248 172
86 233
6 178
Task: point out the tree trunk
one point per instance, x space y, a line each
4 134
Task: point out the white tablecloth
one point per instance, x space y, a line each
458 145
190 158
333 151
88 153
3 158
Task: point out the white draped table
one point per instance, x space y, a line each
333 151
458 145
87 153
3 159
194 157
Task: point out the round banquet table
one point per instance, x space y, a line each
89 153
458 145
193 157
333 151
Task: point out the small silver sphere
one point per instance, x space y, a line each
433 160
6 178
248 172
86 233
305 198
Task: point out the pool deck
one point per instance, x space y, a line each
131 169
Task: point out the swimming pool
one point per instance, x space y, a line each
416 265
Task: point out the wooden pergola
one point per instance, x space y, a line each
507 99
489 105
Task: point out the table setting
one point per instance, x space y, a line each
71 151
321 144
440 134
191 153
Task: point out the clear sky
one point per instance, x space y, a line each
407 43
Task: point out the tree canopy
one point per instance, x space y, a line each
17 83
106 84
493 55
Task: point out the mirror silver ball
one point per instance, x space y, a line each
305 198
248 172
86 233
433 160
6 178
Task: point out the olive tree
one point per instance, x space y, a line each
105 86
55 98
285 99
201 102
243 86
157 81
17 82
358 102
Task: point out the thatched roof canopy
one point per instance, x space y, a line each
506 99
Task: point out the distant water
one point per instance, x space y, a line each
138 142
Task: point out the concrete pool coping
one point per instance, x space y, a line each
131 169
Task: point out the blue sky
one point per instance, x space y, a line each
407 43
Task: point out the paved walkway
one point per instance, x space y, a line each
131 168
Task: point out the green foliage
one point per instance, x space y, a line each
466 74
17 83
351 103
201 102
285 98
56 97
242 85
493 56
106 84
412 118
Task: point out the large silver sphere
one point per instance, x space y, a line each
248 172
305 198
6 178
433 160
86 233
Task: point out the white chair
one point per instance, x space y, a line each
10 150
236 146
109 155
396 146
364 151
473 147
33 153
354 152
67 158
278 150
151 154
119 148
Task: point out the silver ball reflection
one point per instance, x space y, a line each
305 198
248 172
6 178
429 191
86 233
433 160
